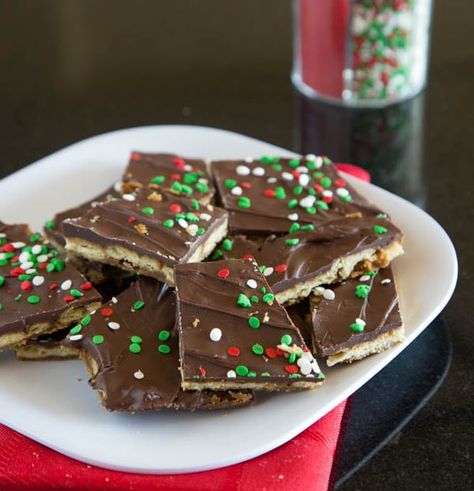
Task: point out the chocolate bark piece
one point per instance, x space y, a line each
130 348
357 318
234 334
48 347
266 196
168 172
39 292
147 232
296 263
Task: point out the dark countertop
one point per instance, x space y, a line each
70 70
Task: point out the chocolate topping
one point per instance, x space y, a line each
266 196
171 173
297 257
36 285
233 332
133 341
378 309
158 225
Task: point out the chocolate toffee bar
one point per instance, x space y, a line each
47 347
171 173
267 195
356 318
39 292
130 347
147 232
309 256
234 334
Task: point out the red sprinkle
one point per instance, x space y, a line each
135 156
132 219
25 285
280 352
53 286
291 368
271 352
233 351
176 177
175 208
246 185
327 199
202 371
86 286
42 266
269 193
16 271
340 183
8 248
318 188
106 312
179 163
295 173
69 298
281 267
248 257
223 273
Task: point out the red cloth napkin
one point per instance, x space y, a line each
306 461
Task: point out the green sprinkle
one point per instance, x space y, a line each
139 304
326 160
190 178
76 329
76 293
346 198
158 180
35 237
311 210
191 217
293 163
2 280
186 189
276 167
254 299
356 327
17 298
3 262
257 349
218 254
59 264
292 242
22 277
312 192
372 274
322 204
318 174
86 320
294 227
378 229
33 299
295 375
252 374
195 204
280 192
164 349
265 374
293 203
325 182
254 322
244 202
230 183
202 187
268 298
176 187
286 339
164 335
50 268
297 190
292 358
148 210
263 290
200 231
362 291
243 301
50 224
98 339
135 348
241 370
311 164
227 245
307 228
136 339
266 159
168 223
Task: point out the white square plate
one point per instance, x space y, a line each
51 402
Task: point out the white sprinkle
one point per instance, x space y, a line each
328 193
36 249
189 168
37 280
24 257
66 285
287 176
75 337
310 156
183 223
242 170
272 180
114 300
315 367
268 271
303 180
258 171
364 277
128 197
31 271
318 162
18 245
252 284
2 256
139 375
42 259
114 326
342 192
307 201
231 374
203 180
26 265
118 187
304 365
307 355
248 159
293 217
215 334
236 190
192 229
205 216
329 295
361 322
3 235
302 170
386 281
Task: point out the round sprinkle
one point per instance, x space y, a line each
236 191
227 244
271 353
215 334
364 277
291 368
268 271
205 216
223 273
241 370
75 337
76 329
244 202
139 375
293 217
37 280
254 299
303 180
98 339
106 312
243 301
115 326
342 192
307 201
356 327
242 170
268 298
136 339
36 249
254 322
148 210
257 349
158 180
139 304
231 374
164 349
280 268
386 281
251 284
233 351
86 320
164 335
33 299
287 176
128 197
292 242
230 183
135 348
286 339
329 294
305 366
362 291
183 223
258 171
168 223
379 230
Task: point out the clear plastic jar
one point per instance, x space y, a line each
361 52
